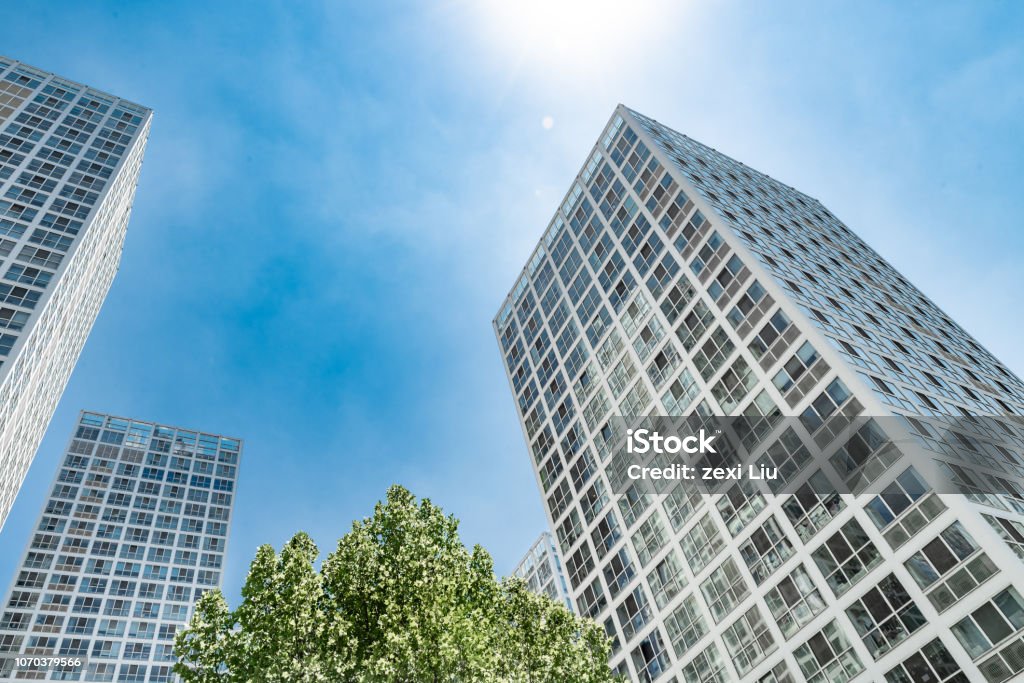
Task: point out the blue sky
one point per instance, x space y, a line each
337 196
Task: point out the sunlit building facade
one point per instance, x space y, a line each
69 163
541 569
134 530
675 281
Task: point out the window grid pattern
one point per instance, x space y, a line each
134 531
746 301
69 163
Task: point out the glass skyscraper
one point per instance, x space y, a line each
676 282
69 164
541 569
133 531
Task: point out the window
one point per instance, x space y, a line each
991 624
813 505
846 557
558 501
794 601
1010 530
706 253
160 674
649 337
748 640
71 647
635 314
885 616
606 438
636 400
739 505
827 403
685 625
734 385
896 498
549 472
28 276
713 354
23 599
766 550
621 375
694 325
667 579
701 544
579 564
952 548
650 659
650 537
593 501
618 571
622 291
663 365
610 271
677 209
678 298
609 350
778 674
633 503
680 504
592 600
662 275
724 589
828 657
40 257
560 418
647 255
788 456
606 534
680 394
12 320
932 663
634 612
582 470
572 261
754 295
589 299
585 384
19 296
786 378
725 277
756 420
768 334
864 456
706 667
557 319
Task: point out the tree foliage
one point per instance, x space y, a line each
401 600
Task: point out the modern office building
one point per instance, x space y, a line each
676 282
134 530
69 163
541 569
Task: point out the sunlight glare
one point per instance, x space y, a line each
575 36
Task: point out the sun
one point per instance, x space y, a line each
570 36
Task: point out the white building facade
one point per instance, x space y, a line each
69 163
134 530
541 569
675 281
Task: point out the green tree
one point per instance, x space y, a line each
401 600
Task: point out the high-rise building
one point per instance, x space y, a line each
676 282
134 530
69 163
541 569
